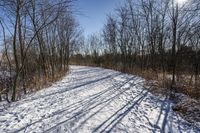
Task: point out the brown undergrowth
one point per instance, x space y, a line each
36 83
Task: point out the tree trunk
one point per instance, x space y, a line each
15 53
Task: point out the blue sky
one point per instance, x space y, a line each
92 13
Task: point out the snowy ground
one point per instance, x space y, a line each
93 100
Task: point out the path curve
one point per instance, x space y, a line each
94 100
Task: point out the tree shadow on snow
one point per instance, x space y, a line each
87 104
72 87
101 99
81 111
112 121
169 121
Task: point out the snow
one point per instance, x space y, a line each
90 99
187 107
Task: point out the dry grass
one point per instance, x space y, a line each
36 83
161 83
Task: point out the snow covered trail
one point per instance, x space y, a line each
93 100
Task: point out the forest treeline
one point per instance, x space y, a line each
36 39
159 39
